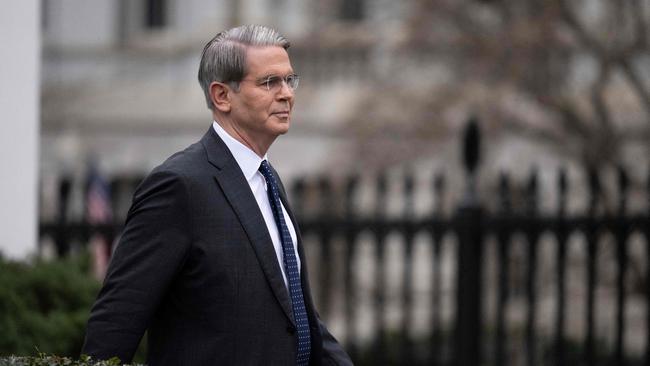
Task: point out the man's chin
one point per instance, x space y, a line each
283 125
283 130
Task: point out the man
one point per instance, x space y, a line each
211 261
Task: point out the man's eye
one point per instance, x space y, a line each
272 81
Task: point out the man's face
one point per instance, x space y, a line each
260 114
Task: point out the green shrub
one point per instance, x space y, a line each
50 360
45 305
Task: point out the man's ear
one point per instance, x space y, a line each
220 96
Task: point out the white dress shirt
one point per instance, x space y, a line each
249 163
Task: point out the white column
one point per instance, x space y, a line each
19 110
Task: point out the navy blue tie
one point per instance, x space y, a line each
290 266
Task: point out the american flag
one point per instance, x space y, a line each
98 212
98 199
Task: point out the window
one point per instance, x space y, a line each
352 9
155 14
45 11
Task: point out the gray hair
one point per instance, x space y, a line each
224 57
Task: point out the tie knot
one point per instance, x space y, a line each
265 169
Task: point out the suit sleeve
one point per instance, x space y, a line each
333 353
152 248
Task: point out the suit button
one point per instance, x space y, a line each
291 329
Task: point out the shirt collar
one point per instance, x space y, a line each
248 161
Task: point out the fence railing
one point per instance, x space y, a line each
510 286
476 337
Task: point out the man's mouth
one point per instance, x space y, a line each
281 114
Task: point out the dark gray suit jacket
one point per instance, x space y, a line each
196 267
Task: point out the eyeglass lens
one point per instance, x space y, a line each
275 82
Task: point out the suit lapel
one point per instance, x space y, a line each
237 191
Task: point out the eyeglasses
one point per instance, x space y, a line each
273 83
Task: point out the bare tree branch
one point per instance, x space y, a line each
571 120
598 97
544 136
544 51
637 84
641 36
572 21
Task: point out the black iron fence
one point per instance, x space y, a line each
508 286
473 335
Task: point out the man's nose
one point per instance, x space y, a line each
285 92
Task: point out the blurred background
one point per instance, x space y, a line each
472 176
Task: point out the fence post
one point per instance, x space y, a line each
646 360
532 235
436 273
325 266
407 279
62 240
592 254
562 235
469 231
503 237
621 233
351 231
381 353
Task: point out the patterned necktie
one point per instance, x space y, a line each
291 267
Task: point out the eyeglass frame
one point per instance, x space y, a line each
266 81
